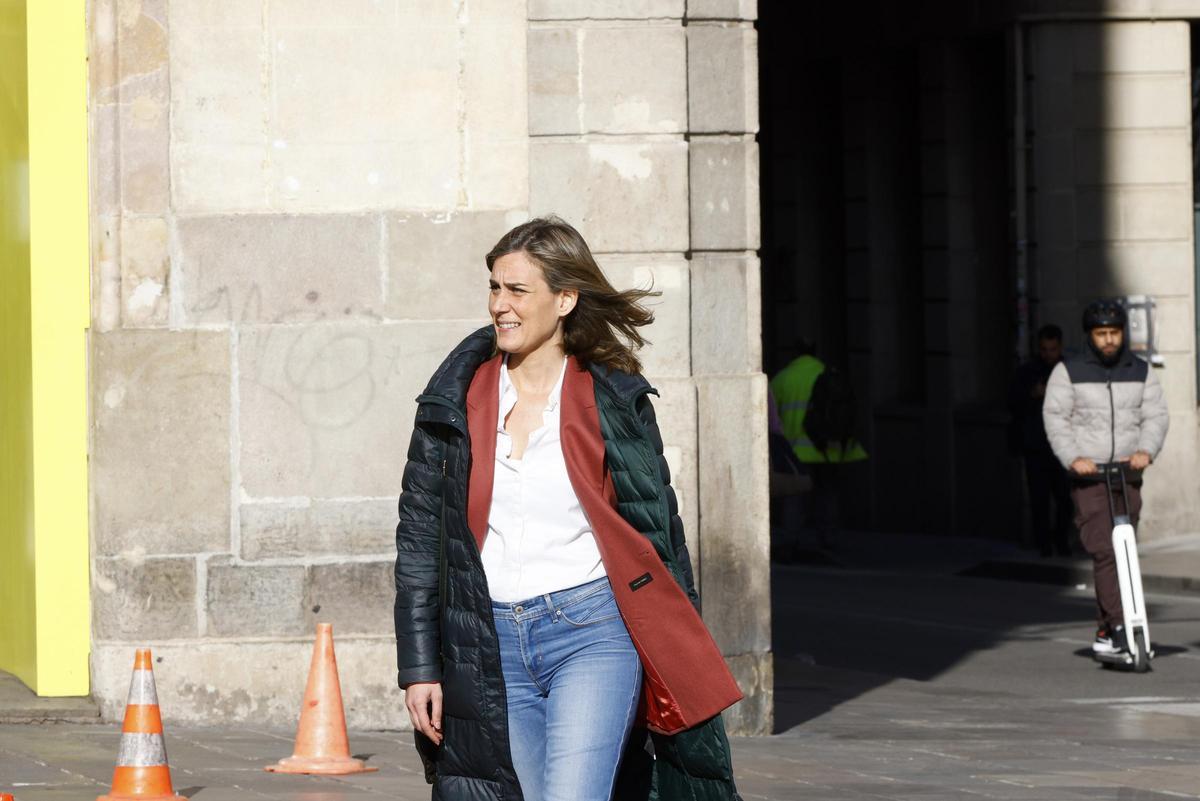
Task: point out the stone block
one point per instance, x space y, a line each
277 268
1135 268
496 100
726 314
1174 325
623 196
675 409
724 194
722 79
1133 157
734 511
256 600
143 599
105 155
722 9
145 150
634 80
327 409
605 9
619 80
1131 46
145 267
356 597
1054 161
160 441
753 716
218 177
668 354
255 682
106 273
1132 101
1053 104
1135 213
307 528
555 104
1178 381
1056 220
457 287
218 94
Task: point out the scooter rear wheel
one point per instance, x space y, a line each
1141 655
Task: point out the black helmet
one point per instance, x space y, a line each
1103 313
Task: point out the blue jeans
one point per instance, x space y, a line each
573 679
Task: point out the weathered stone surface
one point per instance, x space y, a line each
604 9
668 354
1131 101
144 145
436 267
143 599
495 96
722 79
623 196
259 682
270 530
1133 157
724 194
106 273
255 600
145 266
675 408
219 154
356 597
726 314
160 443
1133 268
1134 212
327 409
1131 46
734 526
722 9
277 268
753 716
607 80
555 104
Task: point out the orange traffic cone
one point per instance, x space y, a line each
321 743
6 797
142 771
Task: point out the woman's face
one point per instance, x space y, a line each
527 314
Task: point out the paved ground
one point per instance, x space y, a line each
895 680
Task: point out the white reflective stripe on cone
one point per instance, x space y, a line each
141 751
141 688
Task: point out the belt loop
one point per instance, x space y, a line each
549 602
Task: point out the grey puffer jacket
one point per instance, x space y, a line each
1103 413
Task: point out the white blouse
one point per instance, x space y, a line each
539 539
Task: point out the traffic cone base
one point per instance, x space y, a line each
142 773
321 743
328 766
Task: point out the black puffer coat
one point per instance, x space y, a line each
450 636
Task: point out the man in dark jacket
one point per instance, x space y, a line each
1044 476
1105 406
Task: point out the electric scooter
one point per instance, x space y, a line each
1139 650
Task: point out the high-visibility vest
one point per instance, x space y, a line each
792 388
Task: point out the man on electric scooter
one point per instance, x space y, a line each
1104 405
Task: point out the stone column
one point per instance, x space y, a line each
1110 106
726 324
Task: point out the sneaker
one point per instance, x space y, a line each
1103 643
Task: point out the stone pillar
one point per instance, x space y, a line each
1110 107
727 348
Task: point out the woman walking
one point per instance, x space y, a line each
546 621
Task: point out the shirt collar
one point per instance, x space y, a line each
508 392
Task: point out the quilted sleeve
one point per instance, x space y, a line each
1057 408
418 550
682 559
1155 418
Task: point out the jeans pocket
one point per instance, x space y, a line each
595 608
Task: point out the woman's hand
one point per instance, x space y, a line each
424 702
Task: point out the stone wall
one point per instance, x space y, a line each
1112 214
291 202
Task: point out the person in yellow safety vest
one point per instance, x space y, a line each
792 389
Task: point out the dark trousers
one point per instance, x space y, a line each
1094 521
1048 483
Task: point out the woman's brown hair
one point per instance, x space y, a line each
603 326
